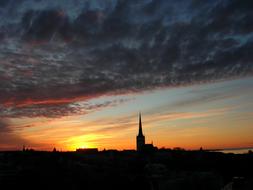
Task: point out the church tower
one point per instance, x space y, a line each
140 139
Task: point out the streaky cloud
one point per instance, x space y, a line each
54 54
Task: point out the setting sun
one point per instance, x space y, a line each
84 141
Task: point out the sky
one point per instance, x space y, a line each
76 73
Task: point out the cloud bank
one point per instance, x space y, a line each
8 139
53 54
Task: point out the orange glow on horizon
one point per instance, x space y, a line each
186 121
70 133
84 141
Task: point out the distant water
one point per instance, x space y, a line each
236 150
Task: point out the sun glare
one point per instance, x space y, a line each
84 141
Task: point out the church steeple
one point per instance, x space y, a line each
140 139
140 126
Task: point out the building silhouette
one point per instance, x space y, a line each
140 139
141 146
87 150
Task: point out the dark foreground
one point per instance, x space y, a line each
164 169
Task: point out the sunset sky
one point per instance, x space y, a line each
76 73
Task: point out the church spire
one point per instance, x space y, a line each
140 139
140 126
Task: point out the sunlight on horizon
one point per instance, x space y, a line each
208 115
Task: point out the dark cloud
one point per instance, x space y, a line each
54 54
45 25
4 127
8 139
88 23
